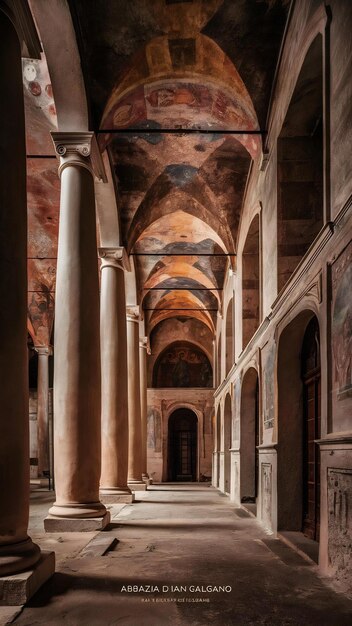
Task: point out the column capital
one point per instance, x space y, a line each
133 313
114 257
144 343
79 149
44 350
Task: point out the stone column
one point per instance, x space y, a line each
114 407
77 428
144 405
17 551
135 465
43 410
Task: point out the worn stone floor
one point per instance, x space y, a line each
180 537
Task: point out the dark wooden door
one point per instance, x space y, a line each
183 446
311 431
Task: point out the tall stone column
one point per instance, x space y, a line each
77 399
135 464
17 551
144 404
114 406
43 410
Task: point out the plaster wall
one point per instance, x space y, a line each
318 286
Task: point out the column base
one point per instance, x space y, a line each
18 557
138 485
53 524
114 496
17 589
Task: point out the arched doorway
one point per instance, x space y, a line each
218 446
251 282
310 361
249 436
182 446
299 426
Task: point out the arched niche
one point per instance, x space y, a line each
182 364
182 446
298 375
227 443
219 355
230 347
251 282
249 436
300 166
218 445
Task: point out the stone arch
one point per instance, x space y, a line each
251 281
249 435
183 445
227 442
290 421
230 344
300 172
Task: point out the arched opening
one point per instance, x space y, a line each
249 436
250 283
218 446
227 443
182 448
300 166
229 337
182 364
219 372
299 426
310 367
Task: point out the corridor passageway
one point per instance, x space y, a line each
180 535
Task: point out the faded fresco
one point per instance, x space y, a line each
183 366
341 274
268 364
154 430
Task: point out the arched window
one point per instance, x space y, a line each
250 283
300 167
230 351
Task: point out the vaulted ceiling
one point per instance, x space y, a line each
197 68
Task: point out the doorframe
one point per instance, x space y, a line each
200 440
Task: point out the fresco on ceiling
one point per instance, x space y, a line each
182 105
182 365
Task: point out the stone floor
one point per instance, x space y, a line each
180 536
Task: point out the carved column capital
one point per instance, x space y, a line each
144 343
133 313
114 257
44 350
79 149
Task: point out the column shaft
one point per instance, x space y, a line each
144 405
134 405
77 436
17 552
43 410
114 409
